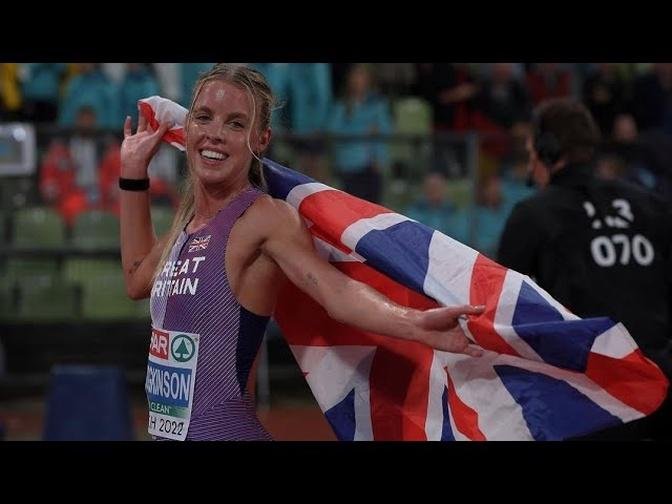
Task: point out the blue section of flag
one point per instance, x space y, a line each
552 408
282 180
562 343
389 252
532 307
446 431
342 417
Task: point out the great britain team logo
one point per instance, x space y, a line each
199 243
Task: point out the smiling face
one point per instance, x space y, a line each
220 124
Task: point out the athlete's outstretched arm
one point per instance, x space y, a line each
289 244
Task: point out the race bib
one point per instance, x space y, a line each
171 375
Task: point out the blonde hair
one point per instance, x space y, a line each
263 102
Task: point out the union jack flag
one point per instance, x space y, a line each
199 243
546 374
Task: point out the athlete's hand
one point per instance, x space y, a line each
138 149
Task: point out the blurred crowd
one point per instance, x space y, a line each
340 121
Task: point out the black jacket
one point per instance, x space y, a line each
601 249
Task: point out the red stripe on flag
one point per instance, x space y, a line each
400 371
632 380
344 211
487 280
464 417
399 382
175 135
148 112
172 135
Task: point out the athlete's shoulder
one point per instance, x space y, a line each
269 208
268 215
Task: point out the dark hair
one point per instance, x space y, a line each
564 128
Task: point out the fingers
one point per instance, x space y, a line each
465 310
163 128
473 351
127 127
142 121
454 342
445 318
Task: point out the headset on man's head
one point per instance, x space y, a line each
546 143
547 147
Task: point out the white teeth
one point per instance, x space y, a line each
212 154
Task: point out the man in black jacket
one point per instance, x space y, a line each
602 248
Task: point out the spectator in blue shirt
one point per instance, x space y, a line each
361 111
434 209
41 88
91 88
139 82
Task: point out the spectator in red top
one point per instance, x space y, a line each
450 88
58 187
548 80
501 104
